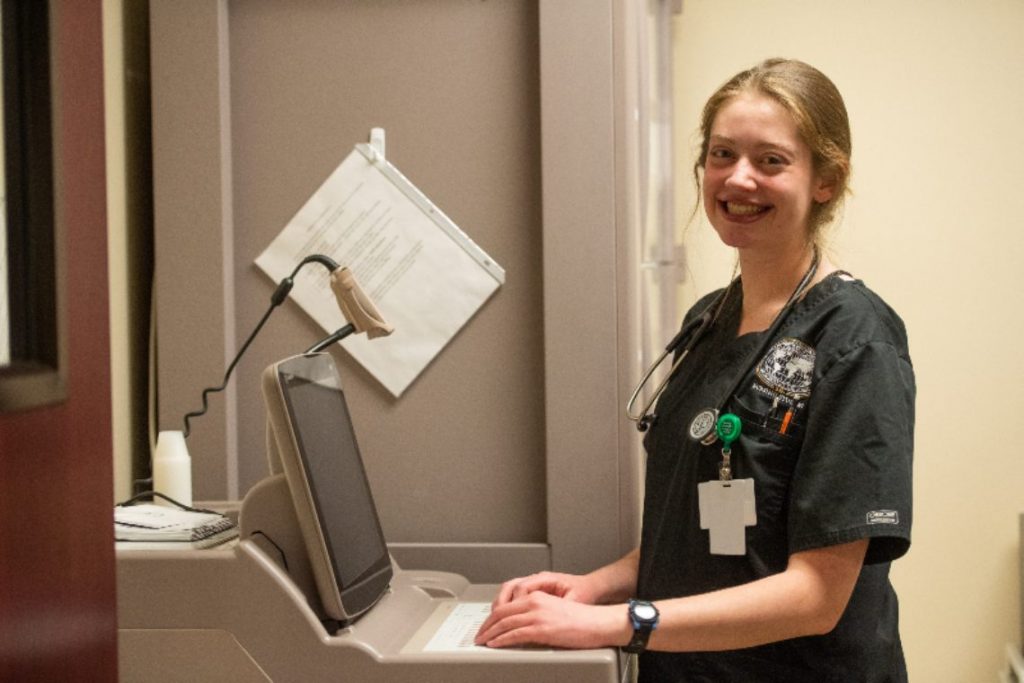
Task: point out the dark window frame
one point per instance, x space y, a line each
35 374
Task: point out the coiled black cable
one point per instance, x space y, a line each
276 299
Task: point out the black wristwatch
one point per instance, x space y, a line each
644 617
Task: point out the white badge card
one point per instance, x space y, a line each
727 508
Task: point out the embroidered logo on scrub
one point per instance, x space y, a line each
883 517
787 368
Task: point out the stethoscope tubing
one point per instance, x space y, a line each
692 334
699 326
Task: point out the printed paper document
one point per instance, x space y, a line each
425 275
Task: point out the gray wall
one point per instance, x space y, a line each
511 436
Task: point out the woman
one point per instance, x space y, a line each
765 552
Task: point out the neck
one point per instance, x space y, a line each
769 281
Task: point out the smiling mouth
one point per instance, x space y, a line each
738 209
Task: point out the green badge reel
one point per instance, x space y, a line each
728 429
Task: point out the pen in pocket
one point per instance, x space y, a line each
785 421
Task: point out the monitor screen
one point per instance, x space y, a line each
328 484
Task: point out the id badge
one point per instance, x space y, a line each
727 508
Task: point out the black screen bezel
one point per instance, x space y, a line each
362 592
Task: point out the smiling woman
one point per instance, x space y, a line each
823 132
798 385
760 172
31 371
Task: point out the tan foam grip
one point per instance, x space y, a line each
356 305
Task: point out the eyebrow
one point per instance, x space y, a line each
760 146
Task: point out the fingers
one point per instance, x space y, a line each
506 593
495 626
503 621
519 613
561 585
519 588
490 628
544 619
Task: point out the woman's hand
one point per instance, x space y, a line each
568 586
561 610
539 617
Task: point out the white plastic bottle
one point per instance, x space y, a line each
172 468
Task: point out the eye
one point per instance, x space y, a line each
774 163
720 153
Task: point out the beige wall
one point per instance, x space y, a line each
113 61
129 224
935 92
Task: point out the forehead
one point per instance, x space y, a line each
754 118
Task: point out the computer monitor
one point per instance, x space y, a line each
312 429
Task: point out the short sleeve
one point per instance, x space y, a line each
853 475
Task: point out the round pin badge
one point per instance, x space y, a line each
702 427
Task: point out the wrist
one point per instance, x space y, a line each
642 617
623 626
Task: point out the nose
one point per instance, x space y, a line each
742 175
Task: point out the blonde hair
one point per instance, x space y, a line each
817 108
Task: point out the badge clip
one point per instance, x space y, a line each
727 428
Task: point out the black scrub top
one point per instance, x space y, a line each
827 416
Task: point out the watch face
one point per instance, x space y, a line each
645 611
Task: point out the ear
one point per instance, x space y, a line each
824 189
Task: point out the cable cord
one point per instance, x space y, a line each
276 299
153 495
227 375
336 336
284 558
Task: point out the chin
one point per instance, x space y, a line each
737 237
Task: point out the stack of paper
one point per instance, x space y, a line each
149 527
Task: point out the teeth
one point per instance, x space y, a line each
744 209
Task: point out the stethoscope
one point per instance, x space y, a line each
703 426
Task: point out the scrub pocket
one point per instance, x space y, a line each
765 451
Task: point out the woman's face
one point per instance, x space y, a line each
759 180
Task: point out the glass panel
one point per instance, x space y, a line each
5 318
31 366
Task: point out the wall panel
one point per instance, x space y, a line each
509 440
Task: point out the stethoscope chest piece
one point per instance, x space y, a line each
702 427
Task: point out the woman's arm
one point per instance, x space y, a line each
808 598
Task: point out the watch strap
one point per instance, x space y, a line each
642 627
